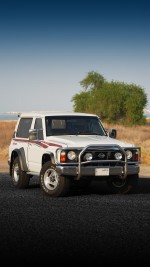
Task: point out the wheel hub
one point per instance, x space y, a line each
51 179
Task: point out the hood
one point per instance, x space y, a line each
84 140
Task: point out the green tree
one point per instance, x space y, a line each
81 102
113 101
134 105
92 81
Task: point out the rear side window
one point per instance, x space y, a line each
23 127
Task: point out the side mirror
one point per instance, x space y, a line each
33 134
14 134
106 130
113 133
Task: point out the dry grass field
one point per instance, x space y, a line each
139 135
6 132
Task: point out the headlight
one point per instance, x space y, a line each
88 156
129 154
71 155
118 156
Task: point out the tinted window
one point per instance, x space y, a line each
23 127
39 127
86 125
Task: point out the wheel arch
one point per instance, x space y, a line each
21 155
48 157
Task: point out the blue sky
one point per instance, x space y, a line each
47 48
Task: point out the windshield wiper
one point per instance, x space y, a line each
87 133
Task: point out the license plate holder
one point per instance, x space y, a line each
102 172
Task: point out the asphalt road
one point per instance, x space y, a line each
92 227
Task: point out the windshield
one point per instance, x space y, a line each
74 125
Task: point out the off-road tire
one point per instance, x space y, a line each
122 186
53 184
20 178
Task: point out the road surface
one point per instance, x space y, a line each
91 227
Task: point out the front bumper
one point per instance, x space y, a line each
99 168
91 171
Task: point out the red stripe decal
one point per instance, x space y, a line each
40 143
52 144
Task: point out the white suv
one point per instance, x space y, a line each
67 148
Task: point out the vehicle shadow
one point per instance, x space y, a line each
143 186
99 187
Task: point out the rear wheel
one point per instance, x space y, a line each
118 185
19 177
53 184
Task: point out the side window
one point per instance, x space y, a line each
23 127
39 127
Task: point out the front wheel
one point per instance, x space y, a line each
51 183
122 186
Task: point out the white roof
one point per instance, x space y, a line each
53 113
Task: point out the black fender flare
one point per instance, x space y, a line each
52 159
21 154
50 156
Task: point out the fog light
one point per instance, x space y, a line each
88 156
118 156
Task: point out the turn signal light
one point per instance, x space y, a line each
63 157
136 156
